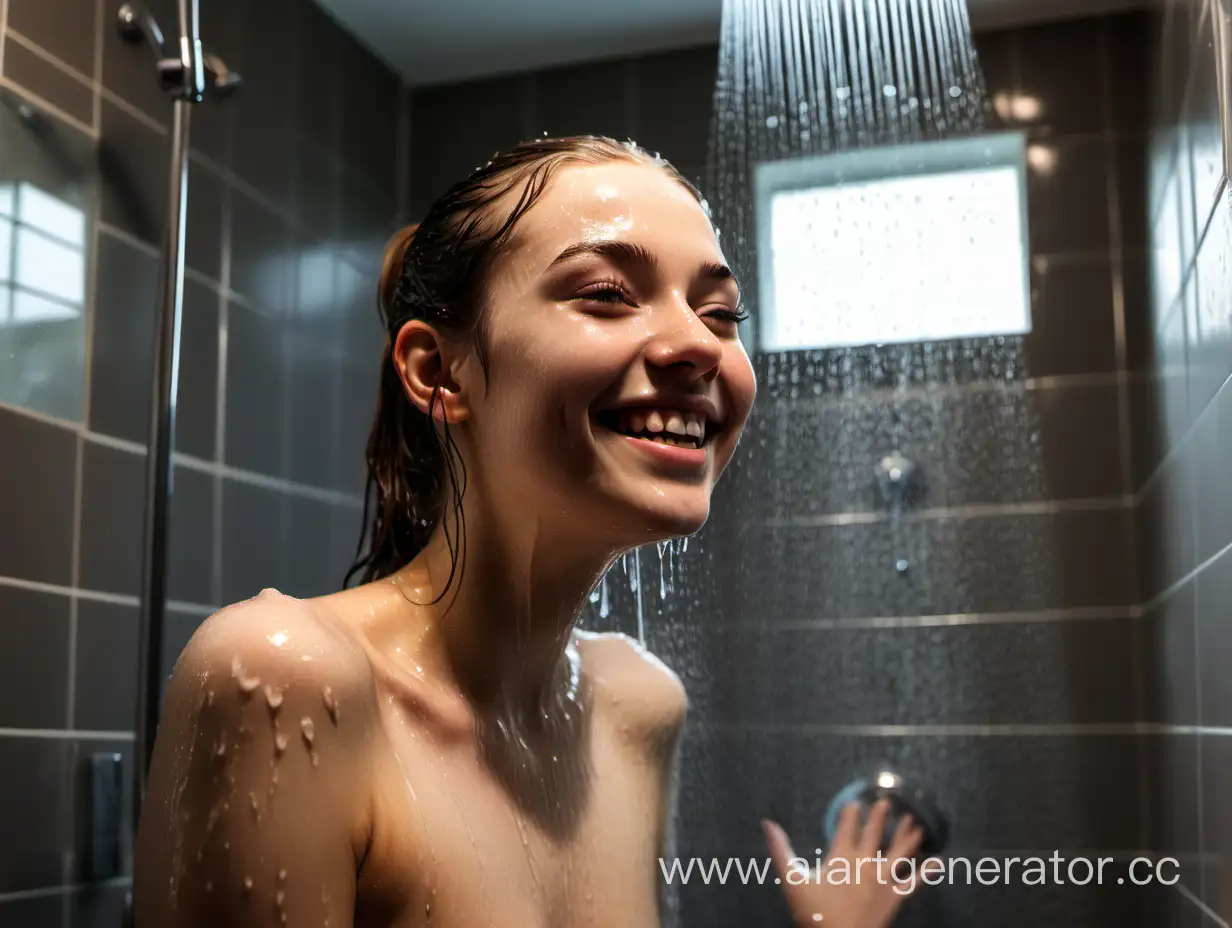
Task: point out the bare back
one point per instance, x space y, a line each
301 779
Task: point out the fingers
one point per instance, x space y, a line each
779 845
908 837
874 829
847 833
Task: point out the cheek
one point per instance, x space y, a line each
741 383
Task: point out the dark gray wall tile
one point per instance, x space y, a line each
132 160
256 391
1025 673
1173 803
39 912
1165 527
36 493
261 265
1210 340
317 96
1068 203
190 545
316 200
306 541
456 128
313 396
125 305
112 503
1129 39
1169 660
1073 323
368 120
1055 59
674 93
740 777
970 446
34 645
589 99
1211 449
196 410
59 27
178 632
203 243
1131 153
1214 631
40 77
996 564
97 906
129 70
1216 754
107 667
253 552
32 805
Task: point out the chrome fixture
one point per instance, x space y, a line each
897 480
907 797
182 69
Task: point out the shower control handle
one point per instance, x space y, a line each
906 796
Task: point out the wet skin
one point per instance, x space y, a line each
371 759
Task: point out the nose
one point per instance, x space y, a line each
683 341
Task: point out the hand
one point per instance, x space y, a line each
849 893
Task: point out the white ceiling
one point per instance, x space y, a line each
440 41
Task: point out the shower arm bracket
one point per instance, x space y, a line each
182 70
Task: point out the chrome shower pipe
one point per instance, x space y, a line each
181 72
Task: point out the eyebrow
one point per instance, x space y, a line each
630 253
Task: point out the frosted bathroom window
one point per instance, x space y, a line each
906 244
42 257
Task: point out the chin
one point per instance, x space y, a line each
666 517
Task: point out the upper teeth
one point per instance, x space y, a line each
668 421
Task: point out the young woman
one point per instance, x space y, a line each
439 746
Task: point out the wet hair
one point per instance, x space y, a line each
437 271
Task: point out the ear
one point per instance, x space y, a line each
425 361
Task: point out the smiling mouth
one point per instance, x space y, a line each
662 426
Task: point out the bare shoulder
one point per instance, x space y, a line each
646 694
280 641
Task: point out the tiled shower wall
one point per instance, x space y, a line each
1000 666
294 184
1184 509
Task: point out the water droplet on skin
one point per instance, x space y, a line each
248 883
209 886
309 730
282 875
220 749
209 698
280 742
253 799
273 696
247 683
331 704
280 898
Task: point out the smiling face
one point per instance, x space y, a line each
616 385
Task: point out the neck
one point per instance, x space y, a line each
501 629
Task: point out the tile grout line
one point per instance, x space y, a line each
66 734
101 596
254 478
63 889
1206 910
48 108
1112 192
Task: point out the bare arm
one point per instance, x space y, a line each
257 813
